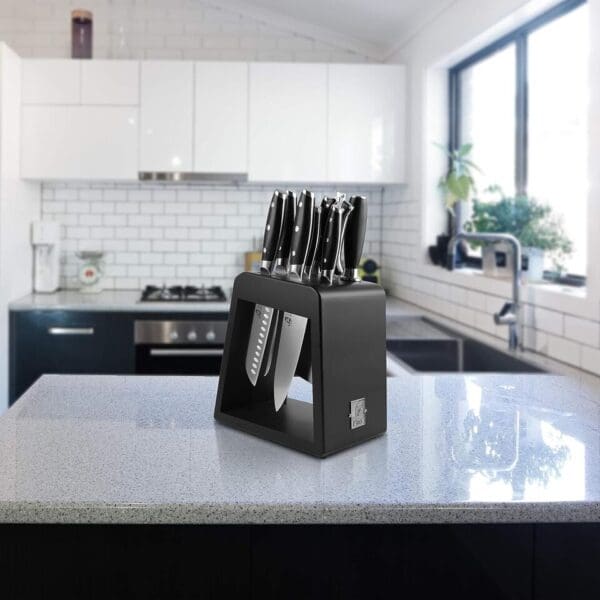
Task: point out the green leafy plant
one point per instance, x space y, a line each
529 220
458 183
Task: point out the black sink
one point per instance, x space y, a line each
454 353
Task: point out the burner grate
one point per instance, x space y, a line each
179 293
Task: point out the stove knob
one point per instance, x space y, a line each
192 336
210 336
174 335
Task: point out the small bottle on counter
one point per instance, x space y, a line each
252 259
81 33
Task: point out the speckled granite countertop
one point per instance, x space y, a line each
114 449
109 300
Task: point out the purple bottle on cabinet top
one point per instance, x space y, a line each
81 34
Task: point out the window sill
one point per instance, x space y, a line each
567 299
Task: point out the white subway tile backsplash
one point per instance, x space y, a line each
582 330
168 234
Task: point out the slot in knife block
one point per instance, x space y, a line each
344 353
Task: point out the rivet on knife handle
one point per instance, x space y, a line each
354 237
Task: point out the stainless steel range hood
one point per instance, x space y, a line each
192 177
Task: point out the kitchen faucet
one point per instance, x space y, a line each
510 314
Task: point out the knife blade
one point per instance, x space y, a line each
261 321
354 238
293 327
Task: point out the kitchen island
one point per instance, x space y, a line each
490 473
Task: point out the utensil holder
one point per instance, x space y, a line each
343 354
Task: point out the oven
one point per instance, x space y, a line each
179 347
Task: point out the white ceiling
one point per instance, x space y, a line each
379 25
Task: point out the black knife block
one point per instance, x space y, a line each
344 354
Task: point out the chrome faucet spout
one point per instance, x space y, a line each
510 314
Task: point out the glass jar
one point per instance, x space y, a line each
81 34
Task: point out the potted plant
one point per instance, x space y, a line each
531 222
458 187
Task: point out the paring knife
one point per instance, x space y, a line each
293 327
261 321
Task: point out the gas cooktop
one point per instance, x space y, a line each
180 293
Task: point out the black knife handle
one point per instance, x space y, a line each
313 245
331 239
302 228
356 228
272 227
287 223
326 205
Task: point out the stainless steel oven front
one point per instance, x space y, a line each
179 347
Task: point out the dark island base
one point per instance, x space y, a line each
308 562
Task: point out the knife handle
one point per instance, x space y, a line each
285 234
313 245
354 237
326 205
272 229
302 231
331 241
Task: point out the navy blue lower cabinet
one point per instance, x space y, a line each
68 342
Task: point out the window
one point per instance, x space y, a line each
522 103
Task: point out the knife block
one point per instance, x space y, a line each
343 354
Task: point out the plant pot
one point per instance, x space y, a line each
462 213
535 264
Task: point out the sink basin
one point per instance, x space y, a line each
452 352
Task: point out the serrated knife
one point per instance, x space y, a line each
293 327
261 321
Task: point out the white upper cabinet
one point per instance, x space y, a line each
51 81
221 117
79 142
288 122
115 82
166 129
366 123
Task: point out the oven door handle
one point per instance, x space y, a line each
186 352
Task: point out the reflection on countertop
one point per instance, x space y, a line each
459 448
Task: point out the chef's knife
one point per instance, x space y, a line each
354 238
261 321
293 327
280 268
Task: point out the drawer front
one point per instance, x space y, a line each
68 342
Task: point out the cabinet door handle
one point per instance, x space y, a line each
71 330
186 352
